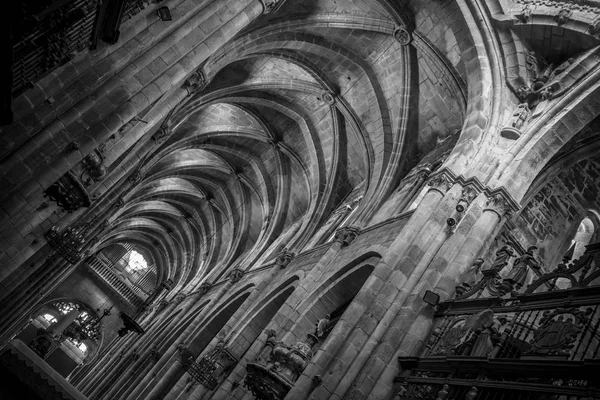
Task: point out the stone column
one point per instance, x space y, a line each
169 366
414 322
350 334
57 328
412 268
235 346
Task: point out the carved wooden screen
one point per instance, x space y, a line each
501 340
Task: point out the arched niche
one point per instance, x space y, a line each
243 343
77 340
204 335
332 298
215 323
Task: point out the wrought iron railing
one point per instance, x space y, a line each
210 368
503 339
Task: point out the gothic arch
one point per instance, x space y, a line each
336 291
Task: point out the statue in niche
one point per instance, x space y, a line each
517 277
472 394
443 393
519 116
322 326
469 278
503 255
488 337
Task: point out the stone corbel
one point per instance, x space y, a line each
205 288
284 257
525 15
196 82
135 178
236 275
346 235
162 134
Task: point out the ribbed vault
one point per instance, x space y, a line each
297 114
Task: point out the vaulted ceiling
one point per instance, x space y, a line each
306 106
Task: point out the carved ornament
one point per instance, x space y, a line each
469 193
441 183
563 16
402 35
558 330
269 5
205 287
498 204
69 193
179 298
346 235
93 167
328 98
284 257
120 203
161 134
196 82
135 178
236 275
525 15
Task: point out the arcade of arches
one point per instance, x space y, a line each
301 199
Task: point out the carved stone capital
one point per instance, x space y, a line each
402 35
498 204
440 182
269 5
196 82
236 275
469 193
284 257
346 235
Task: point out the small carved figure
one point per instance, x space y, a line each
519 116
402 393
469 278
518 275
525 15
443 394
472 394
562 68
563 16
502 257
322 326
